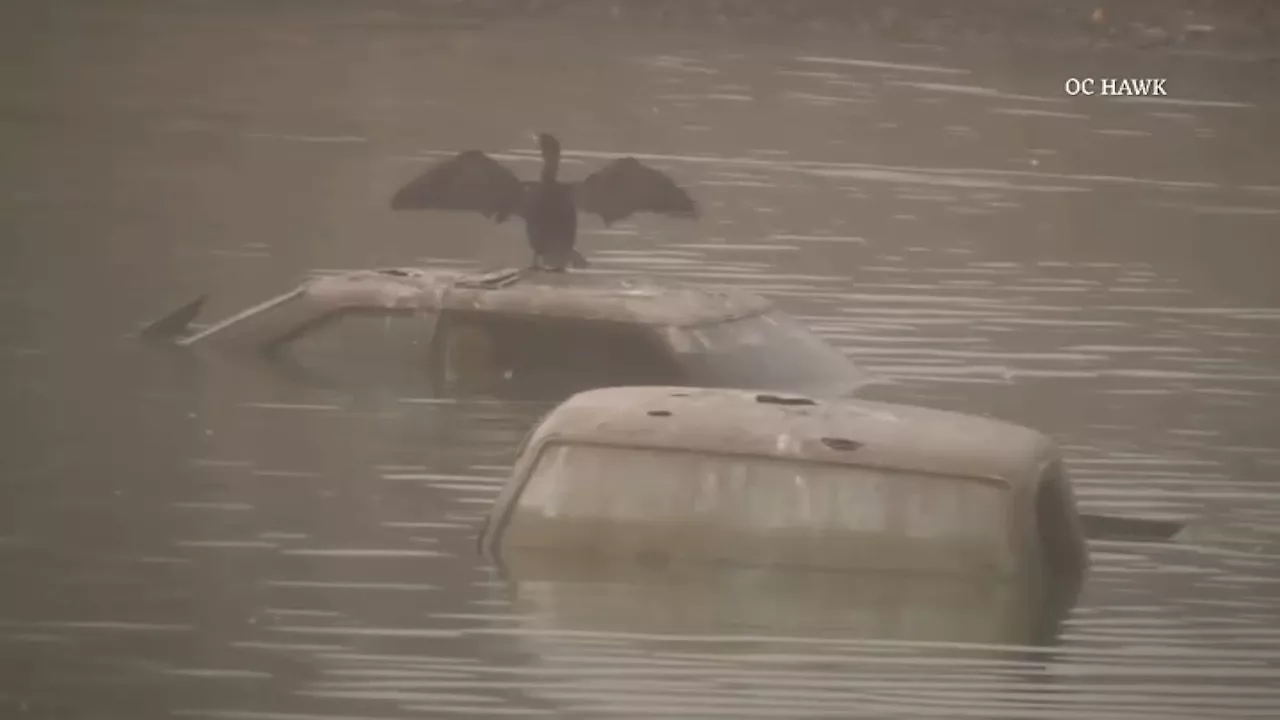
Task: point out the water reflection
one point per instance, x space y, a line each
569 593
615 640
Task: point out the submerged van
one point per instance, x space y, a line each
669 475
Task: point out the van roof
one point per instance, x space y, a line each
852 432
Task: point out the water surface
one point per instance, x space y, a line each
210 541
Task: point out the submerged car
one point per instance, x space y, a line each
556 333
670 474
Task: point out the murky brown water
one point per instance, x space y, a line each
210 542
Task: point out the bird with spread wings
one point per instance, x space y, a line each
473 181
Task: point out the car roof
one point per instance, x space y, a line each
786 426
586 295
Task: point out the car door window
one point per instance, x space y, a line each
555 352
354 346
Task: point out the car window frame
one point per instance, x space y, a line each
280 347
648 334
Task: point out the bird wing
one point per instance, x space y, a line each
625 187
468 181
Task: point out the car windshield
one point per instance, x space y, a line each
767 352
613 493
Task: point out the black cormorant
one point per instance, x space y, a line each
476 182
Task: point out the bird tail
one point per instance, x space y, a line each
576 260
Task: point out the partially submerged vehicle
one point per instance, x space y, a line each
557 333
670 475
788 481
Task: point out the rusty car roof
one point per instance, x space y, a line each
852 432
583 295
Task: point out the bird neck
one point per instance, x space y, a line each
550 166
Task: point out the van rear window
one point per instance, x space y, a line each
605 486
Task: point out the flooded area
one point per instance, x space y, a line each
183 537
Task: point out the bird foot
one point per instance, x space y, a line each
540 265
